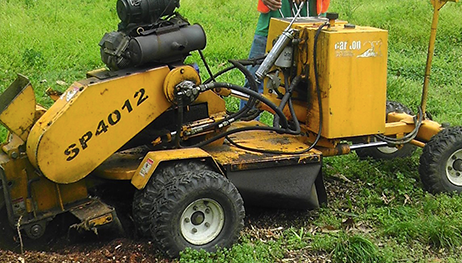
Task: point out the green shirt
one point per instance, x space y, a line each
264 19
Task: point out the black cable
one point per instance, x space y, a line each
250 93
406 139
179 121
318 88
206 65
244 62
247 107
241 129
287 96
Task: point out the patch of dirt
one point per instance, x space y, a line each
260 224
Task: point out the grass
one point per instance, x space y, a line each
393 219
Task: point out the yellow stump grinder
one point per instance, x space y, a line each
149 123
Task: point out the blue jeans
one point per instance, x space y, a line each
257 50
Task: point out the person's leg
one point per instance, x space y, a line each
257 50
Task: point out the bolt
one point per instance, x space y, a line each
207 224
207 210
187 220
36 230
14 155
194 231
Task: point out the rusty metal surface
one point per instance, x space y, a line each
93 213
233 158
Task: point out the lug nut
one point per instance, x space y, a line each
207 210
207 224
187 220
194 231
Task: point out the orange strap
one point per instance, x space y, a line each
322 6
262 8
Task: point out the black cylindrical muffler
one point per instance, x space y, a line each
166 47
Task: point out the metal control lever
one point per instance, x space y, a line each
283 40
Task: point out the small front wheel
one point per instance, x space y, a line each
441 162
197 209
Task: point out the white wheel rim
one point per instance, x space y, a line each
454 168
202 221
387 149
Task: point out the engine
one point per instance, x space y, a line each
150 32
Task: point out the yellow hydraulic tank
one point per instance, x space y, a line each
352 69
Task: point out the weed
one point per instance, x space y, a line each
32 57
355 248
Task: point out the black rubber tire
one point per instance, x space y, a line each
441 162
209 190
387 152
143 201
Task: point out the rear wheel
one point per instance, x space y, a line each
389 152
197 209
143 200
441 162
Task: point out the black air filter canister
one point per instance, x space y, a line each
166 47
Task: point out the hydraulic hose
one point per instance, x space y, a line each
287 96
250 93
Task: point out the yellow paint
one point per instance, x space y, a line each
153 159
93 119
120 166
175 77
45 196
17 106
261 140
402 123
100 221
215 103
352 66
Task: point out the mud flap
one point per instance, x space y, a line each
292 186
94 214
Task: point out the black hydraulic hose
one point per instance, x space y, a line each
242 129
247 107
295 132
244 62
206 65
294 117
405 139
318 88
278 112
179 121
287 96
250 93
284 99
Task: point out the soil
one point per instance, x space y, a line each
261 224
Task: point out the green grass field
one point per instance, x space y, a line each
378 212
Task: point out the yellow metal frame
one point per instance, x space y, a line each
437 5
152 160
